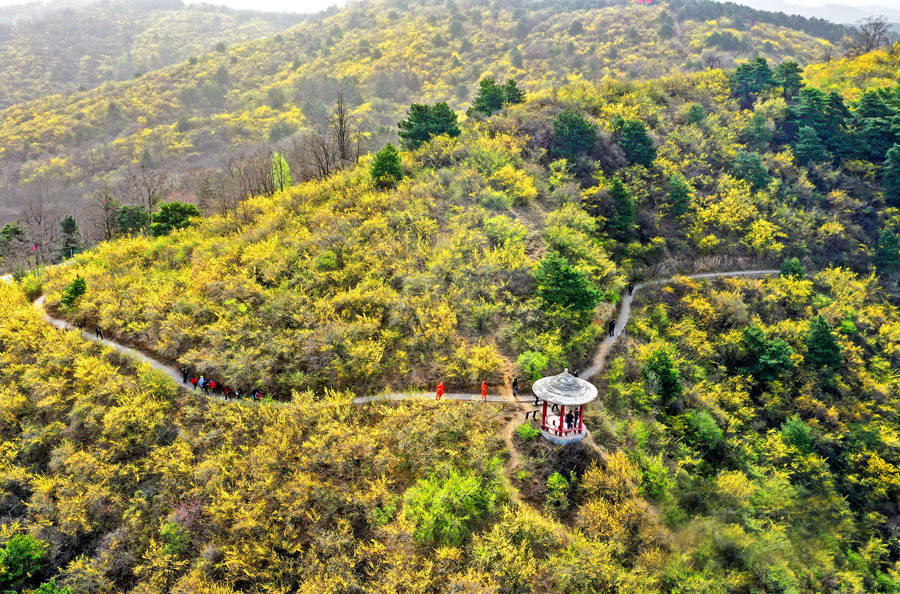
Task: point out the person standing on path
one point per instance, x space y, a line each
194 382
630 288
440 390
184 374
515 387
612 327
98 331
483 390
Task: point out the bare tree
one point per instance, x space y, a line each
323 152
340 126
104 211
146 187
874 33
42 217
252 173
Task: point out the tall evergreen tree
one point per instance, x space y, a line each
892 176
423 122
765 359
573 135
662 375
622 222
758 133
636 142
750 80
788 76
512 94
561 285
386 170
679 195
835 134
887 254
750 167
810 109
71 237
822 348
808 147
490 97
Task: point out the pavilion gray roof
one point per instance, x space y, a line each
565 389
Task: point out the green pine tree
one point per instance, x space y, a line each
792 268
662 375
636 142
423 122
750 167
788 75
490 97
71 237
561 285
622 222
573 135
512 94
822 348
887 254
386 170
750 80
892 176
808 147
679 195
171 216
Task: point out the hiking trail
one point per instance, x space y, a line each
521 403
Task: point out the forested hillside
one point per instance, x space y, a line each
496 245
188 130
80 48
401 194
750 444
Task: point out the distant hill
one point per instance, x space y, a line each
60 49
837 13
196 115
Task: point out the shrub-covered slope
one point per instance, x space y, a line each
495 252
749 446
113 481
196 114
763 416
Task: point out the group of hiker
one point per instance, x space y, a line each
212 387
439 391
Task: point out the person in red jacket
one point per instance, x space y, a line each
440 390
483 390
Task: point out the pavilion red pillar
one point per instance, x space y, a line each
562 418
580 419
544 417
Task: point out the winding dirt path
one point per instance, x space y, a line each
625 312
522 403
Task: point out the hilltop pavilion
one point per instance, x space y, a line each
562 413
